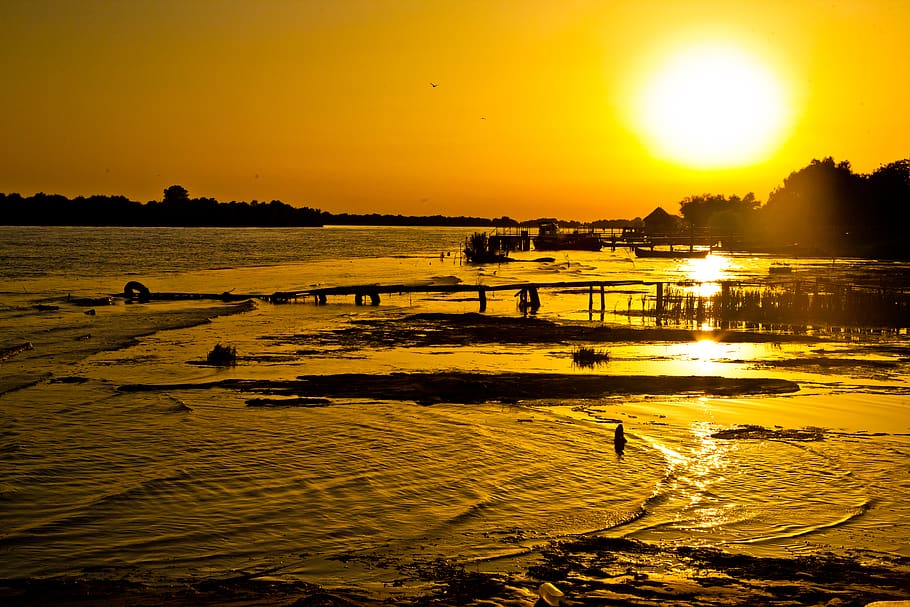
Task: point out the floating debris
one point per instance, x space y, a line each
69 379
179 405
762 433
288 402
550 594
135 290
91 301
11 351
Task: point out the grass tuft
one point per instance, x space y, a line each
222 356
584 356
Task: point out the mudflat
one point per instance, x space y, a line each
589 570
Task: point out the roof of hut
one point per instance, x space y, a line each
658 215
660 222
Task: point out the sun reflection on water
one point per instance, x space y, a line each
693 473
707 354
706 273
704 469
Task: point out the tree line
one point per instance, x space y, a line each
178 209
822 209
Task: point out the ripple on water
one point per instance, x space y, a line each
754 491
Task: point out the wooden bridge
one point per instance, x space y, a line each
528 293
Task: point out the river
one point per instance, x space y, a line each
177 482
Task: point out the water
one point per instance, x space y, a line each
179 482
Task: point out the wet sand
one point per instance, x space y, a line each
440 329
475 387
589 570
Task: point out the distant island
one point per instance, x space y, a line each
177 209
822 209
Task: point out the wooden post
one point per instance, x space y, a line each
602 304
358 299
725 303
660 300
523 301
482 296
590 297
534 298
321 299
374 298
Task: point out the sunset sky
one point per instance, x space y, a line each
575 109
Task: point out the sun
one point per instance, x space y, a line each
712 106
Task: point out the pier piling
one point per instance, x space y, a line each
534 298
528 293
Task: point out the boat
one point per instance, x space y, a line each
551 238
671 253
779 268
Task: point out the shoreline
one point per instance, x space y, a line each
591 570
588 570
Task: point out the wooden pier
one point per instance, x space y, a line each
509 239
528 293
801 303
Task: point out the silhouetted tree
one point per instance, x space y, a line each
175 210
175 194
889 187
505 221
820 206
824 206
702 212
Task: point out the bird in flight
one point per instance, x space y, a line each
433 84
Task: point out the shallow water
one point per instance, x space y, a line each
178 482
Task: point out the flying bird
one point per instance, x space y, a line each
433 84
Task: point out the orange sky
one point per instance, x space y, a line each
329 104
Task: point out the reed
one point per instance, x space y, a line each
792 305
478 248
587 357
